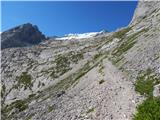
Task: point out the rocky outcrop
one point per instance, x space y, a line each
146 14
156 91
20 36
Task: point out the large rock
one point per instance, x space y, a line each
156 91
20 36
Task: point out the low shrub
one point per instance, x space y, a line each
148 110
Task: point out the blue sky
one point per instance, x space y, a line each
60 18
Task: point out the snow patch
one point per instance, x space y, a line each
80 36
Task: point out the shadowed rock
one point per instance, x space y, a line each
21 36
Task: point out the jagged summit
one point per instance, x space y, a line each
20 36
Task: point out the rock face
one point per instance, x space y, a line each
83 79
146 14
20 36
156 91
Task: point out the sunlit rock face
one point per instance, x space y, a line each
146 14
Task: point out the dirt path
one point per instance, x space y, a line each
113 99
121 99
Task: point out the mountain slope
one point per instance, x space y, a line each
91 78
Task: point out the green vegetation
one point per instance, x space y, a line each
121 33
62 66
32 95
101 81
124 45
116 59
3 89
50 109
104 41
96 56
75 57
25 80
101 68
90 110
19 104
150 108
144 87
62 63
29 117
145 83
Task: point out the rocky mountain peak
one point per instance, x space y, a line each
20 36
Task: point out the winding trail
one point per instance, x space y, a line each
114 99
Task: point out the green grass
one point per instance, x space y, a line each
148 110
101 68
50 109
3 89
124 45
90 110
96 56
62 63
74 57
32 95
25 80
104 41
29 117
145 83
116 59
121 33
19 104
144 87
